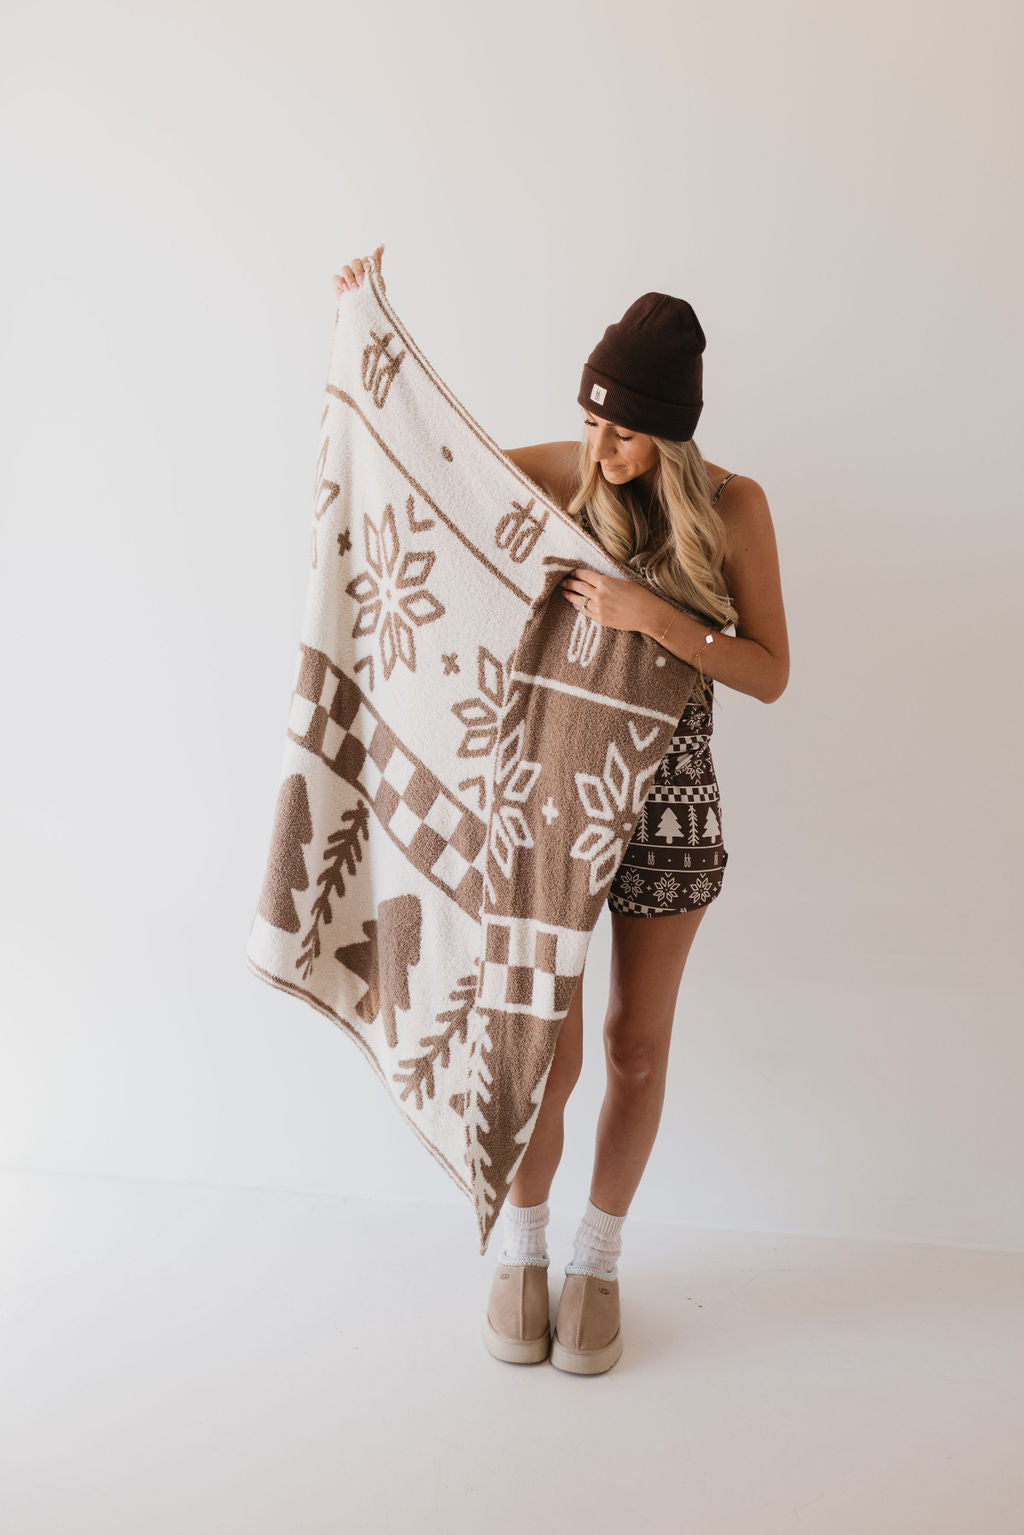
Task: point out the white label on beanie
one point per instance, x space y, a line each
598 394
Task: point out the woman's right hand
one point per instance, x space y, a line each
352 276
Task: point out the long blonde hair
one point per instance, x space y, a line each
681 543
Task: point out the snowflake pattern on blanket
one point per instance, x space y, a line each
466 756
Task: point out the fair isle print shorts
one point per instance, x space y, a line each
675 859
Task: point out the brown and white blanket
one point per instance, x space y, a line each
465 758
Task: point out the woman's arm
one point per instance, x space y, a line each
756 659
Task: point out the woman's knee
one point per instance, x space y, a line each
634 1052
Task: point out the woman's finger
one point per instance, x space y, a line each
352 276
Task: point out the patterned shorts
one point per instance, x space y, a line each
675 859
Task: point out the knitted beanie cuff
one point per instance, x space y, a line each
606 397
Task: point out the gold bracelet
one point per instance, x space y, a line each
709 639
697 653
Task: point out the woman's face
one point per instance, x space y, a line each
622 454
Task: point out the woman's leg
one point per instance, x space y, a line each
532 1182
648 957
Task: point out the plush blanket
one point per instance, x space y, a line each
465 758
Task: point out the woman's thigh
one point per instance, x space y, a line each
648 958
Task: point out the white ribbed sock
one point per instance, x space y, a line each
597 1244
525 1228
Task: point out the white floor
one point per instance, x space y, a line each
202 1361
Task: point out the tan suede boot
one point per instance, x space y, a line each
517 1327
588 1335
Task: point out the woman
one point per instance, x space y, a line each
638 483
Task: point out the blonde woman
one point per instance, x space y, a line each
702 535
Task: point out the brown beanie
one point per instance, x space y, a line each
646 371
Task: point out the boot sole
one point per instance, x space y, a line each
516 1350
590 1362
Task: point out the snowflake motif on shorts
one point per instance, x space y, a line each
632 884
666 889
701 890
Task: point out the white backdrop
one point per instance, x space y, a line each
836 192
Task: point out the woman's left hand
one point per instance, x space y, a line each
615 602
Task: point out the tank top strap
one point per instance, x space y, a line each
718 492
